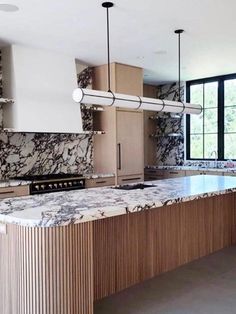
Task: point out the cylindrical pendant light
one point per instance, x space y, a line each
95 97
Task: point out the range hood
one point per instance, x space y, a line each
40 83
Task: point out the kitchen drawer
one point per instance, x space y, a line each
95 183
191 173
155 172
174 173
152 178
130 179
213 173
231 174
14 191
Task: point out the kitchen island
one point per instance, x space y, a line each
62 251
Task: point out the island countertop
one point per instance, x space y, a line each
72 207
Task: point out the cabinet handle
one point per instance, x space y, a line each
7 192
119 156
173 172
131 179
100 182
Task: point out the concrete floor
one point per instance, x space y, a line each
206 286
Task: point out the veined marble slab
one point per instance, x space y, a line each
64 208
231 170
9 183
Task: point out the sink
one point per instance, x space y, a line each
128 187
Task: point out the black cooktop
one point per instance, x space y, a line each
46 177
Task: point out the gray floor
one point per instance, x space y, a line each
206 286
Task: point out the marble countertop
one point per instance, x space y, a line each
71 207
12 183
192 168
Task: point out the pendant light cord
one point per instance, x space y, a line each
179 32
179 66
108 53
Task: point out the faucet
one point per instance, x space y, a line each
214 152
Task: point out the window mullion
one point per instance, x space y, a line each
221 120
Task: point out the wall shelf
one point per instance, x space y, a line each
94 132
92 107
166 135
171 116
6 101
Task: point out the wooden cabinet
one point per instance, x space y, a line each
189 173
213 173
174 174
14 191
232 174
129 143
154 174
160 174
121 149
95 183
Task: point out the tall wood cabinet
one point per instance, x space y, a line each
121 149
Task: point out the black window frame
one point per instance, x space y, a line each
220 79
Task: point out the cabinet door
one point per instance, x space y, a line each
130 154
174 174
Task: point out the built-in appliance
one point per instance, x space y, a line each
54 182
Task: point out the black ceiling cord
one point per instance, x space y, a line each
179 32
107 6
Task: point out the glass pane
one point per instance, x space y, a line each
230 146
196 94
210 145
211 95
230 92
230 119
196 124
210 121
196 150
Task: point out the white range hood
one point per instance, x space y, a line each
40 82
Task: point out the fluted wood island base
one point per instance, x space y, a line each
63 270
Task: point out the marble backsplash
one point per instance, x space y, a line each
37 153
170 149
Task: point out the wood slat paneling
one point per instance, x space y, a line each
131 248
61 270
46 270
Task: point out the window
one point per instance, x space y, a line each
214 130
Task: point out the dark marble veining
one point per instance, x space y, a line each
170 149
63 208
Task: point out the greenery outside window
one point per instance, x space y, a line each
212 134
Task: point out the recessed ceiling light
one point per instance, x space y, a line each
5 7
160 52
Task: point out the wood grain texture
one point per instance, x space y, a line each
131 248
14 191
46 270
62 270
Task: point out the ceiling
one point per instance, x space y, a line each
142 33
